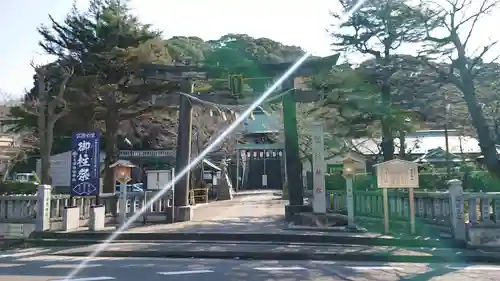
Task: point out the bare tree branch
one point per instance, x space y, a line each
465 66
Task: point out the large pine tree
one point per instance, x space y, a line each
107 47
377 31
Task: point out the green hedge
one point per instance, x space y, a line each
12 188
361 182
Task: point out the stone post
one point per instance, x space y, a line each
43 208
457 209
122 203
97 218
71 218
224 188
319 167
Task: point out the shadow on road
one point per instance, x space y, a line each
128 269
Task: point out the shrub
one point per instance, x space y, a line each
13 188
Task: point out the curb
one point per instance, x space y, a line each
336 229
62 237
7 244
295 256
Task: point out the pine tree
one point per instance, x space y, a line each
378 30
108 47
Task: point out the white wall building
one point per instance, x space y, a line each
60 169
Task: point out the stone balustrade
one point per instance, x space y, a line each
434 207
478 210
22 209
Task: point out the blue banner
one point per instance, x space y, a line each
85 164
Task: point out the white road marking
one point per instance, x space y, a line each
51 259
323 262
5 265
185 272
279 268
62 258
374 267
475 267
62 265
101 278
23 254
139 265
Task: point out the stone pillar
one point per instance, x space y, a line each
122 204
97 218
319 169
43 208
183 152
457 209
71 218
292 158
224 188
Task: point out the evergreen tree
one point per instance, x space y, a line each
108 47
378 30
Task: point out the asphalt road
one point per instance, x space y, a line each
36 265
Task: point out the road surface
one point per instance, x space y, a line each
37 265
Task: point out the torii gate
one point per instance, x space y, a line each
187 74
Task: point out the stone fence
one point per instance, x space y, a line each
465 215
25 210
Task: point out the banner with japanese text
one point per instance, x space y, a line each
85 164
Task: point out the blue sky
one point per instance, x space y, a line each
301 23
286 21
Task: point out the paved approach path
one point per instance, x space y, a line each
258 212
36 265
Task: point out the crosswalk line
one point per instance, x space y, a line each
24 253
62 258
100 278
185 272
50 258
69 266
279 268
8 265
475 268
381 267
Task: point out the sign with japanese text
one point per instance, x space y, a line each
397 174
85 164
319 166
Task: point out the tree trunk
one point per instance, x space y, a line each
497 131
49 139
486 142
112 153
402 144
387 144
42 130
45 159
